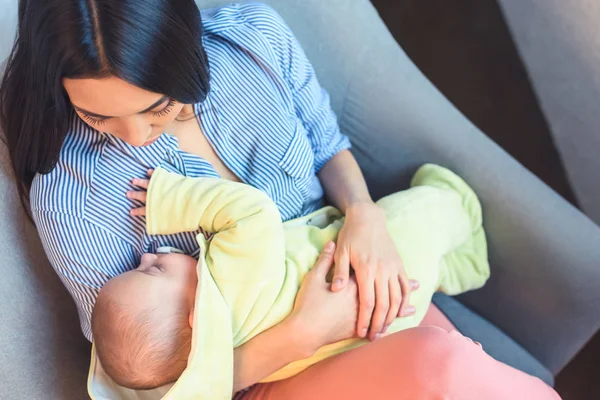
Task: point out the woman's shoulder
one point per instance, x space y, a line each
238 16
257 13
254 31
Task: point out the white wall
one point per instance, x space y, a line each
559 41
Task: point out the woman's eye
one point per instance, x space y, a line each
93 121
165 110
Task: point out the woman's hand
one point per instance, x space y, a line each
384 289
321 316
140 195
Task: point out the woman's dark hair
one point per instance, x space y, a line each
153 44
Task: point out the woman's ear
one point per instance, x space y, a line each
191 317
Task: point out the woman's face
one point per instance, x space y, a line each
116 107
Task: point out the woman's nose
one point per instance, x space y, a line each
134 130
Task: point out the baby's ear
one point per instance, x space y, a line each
191 318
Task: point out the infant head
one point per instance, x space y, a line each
142 321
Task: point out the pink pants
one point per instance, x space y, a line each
427 362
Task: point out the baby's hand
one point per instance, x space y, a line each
139 195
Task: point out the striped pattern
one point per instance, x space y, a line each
266 116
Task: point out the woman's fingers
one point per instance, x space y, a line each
382 306
395 301
366 295
406 309
414 284
325 261
135 195
352 288
342 269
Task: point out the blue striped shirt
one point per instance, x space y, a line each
266 116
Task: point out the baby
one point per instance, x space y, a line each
142 321
176 319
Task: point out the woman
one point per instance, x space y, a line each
98 91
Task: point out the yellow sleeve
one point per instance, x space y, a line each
246 256
181 204
240 273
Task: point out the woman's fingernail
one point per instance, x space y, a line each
411 310
363 332
378 336
414 284
385 328
338 282
329 247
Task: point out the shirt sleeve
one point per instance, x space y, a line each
311 101
84 256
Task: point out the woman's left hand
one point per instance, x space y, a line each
384 289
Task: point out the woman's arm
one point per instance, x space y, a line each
320 317
344 184
267 353
364 243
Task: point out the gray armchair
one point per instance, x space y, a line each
538 309
559 43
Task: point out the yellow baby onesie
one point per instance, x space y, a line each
253 265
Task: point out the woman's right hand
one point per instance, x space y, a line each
321 316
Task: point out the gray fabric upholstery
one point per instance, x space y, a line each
495 342
544 253
559 42
43 354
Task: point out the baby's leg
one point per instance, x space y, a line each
464 267
437 229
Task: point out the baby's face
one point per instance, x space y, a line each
172 273
160 282
176 267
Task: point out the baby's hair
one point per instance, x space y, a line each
141 349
